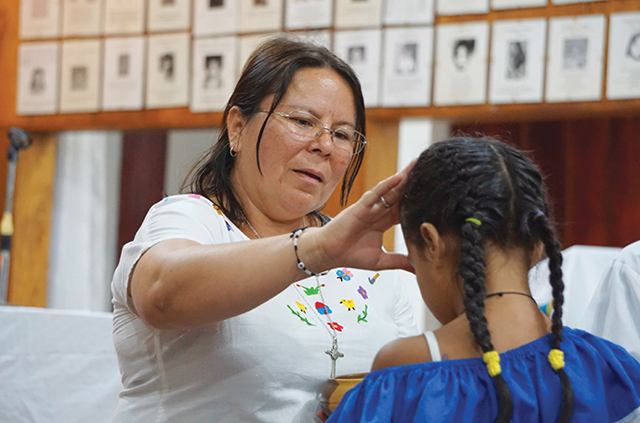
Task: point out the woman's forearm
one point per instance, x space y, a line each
181 284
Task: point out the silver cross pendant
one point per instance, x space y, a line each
335 355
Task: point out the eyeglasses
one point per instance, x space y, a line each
346 140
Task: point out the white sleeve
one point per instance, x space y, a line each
189 217
614 311
404 314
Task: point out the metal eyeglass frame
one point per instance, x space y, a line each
357 149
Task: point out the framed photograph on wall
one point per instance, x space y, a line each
123 17
37 92
215 17
408 56
260 15
214 73
461 64
408 12
576 58
123 73
168 70
82 18
361 49
80 76
308 14
623 72
168 15
358 14
462 7
518 50
39 19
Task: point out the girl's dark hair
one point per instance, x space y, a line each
268 71
461 182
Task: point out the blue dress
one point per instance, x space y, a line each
604 377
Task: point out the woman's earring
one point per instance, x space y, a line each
231 152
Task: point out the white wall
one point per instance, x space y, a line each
184 147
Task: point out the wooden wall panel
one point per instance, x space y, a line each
142 178
624 183
588 166
380 162
548 151
32 207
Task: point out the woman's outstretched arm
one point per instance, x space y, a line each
181 284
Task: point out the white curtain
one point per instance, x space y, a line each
82 253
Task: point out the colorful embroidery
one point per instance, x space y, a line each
196 196
363 317
363 292
229 228
216 208
349 304
301 307
373 279
323 308
336 326
304 319
344 274
310 291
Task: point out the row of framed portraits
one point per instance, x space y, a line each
46 19
509 61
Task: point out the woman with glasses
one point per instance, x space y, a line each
237 300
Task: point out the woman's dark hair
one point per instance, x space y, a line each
268 71
461 182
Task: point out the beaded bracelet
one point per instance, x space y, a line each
295 235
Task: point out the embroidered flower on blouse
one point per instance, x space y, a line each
363 292
336 326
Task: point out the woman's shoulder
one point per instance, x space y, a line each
184 201
189 216
192 206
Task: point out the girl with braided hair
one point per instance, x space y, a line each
475 218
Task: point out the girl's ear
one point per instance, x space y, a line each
435 247
235 124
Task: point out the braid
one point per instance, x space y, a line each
472 271
552 248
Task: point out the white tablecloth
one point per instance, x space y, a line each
57 366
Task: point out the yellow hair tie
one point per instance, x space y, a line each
492 360
556 359
473 220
